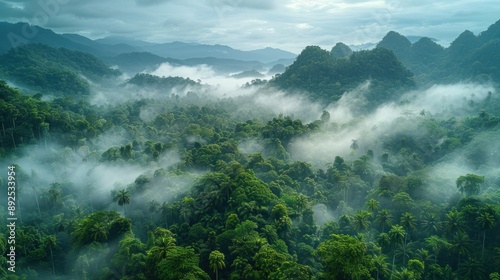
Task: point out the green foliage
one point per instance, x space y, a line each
470 184
41 67
325 78
345 257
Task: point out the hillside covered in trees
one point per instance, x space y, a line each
342 167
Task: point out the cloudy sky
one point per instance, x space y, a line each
252 24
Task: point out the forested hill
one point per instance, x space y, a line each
326 77
469 57
51 70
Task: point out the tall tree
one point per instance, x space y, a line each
216 260
345 257
372 205
470 184
486 221
123 198
361 221
396 237
50 242
384 218
408 222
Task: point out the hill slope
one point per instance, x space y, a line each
47 69
326 78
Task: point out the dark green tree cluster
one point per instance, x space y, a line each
327 78
469 57
40 67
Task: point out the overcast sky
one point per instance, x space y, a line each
252 24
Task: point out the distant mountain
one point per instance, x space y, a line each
117 50
327 78
179 50
413 39
117 40
341 50
165 84
248 74
397 43
137 62
276 69
43 68
469 57
12 35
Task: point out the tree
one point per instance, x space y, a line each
372 205
354 146
470 184
408 222
430 223
384 218
361 221
123 198
436 244
461 244
454 222
396 237
472 270
381 265
486 221
50 242
216 260
344 257
54 195
181 263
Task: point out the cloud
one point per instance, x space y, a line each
151 2
228 21
347 123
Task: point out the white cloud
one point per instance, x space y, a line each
249 24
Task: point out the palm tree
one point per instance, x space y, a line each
486 221
454 222
436 244
404 274
50 242
384 218
216 259
408 222
54 195
396 236
99 232
381 265
430 223
161 248
361 221
123 198
472 270
461 244
372 205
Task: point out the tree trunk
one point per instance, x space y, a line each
36 199
13 140
484 237
393 260
52 258
3 128
404 249
216 274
